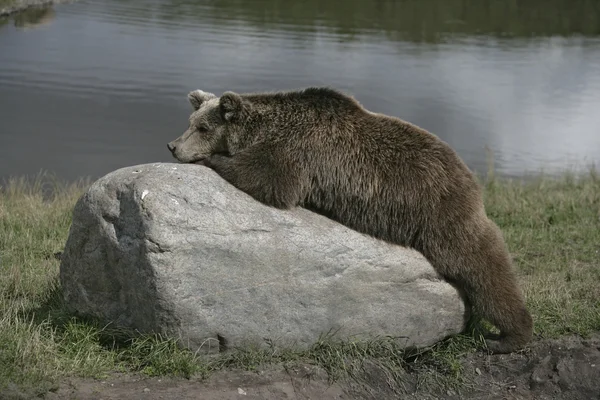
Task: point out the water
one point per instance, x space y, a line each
93 86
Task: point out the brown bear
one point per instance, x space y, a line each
320 149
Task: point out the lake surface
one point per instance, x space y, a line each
89 87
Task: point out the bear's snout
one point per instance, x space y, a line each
171 147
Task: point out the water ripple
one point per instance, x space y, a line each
110 79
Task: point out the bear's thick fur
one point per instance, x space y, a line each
320 149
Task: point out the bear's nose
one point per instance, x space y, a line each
171 147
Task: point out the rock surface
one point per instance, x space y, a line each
175 249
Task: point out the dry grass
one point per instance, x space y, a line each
552 227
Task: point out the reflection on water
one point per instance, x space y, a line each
30 18
414 20
104 85
34 17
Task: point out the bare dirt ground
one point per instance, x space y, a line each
566 368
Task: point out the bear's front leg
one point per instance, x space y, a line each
217 162
263 174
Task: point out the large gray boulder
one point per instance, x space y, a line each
175 249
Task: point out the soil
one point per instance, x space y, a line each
565 368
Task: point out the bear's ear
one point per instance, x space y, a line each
230 105
197 97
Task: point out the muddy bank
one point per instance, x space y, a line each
15 6
565 368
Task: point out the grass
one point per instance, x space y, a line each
552 227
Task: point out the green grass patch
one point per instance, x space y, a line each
552 227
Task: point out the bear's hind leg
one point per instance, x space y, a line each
484 272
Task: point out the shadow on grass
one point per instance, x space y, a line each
129 350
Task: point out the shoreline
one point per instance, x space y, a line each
18 6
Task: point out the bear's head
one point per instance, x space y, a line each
211 127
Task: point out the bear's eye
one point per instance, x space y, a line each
203 128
